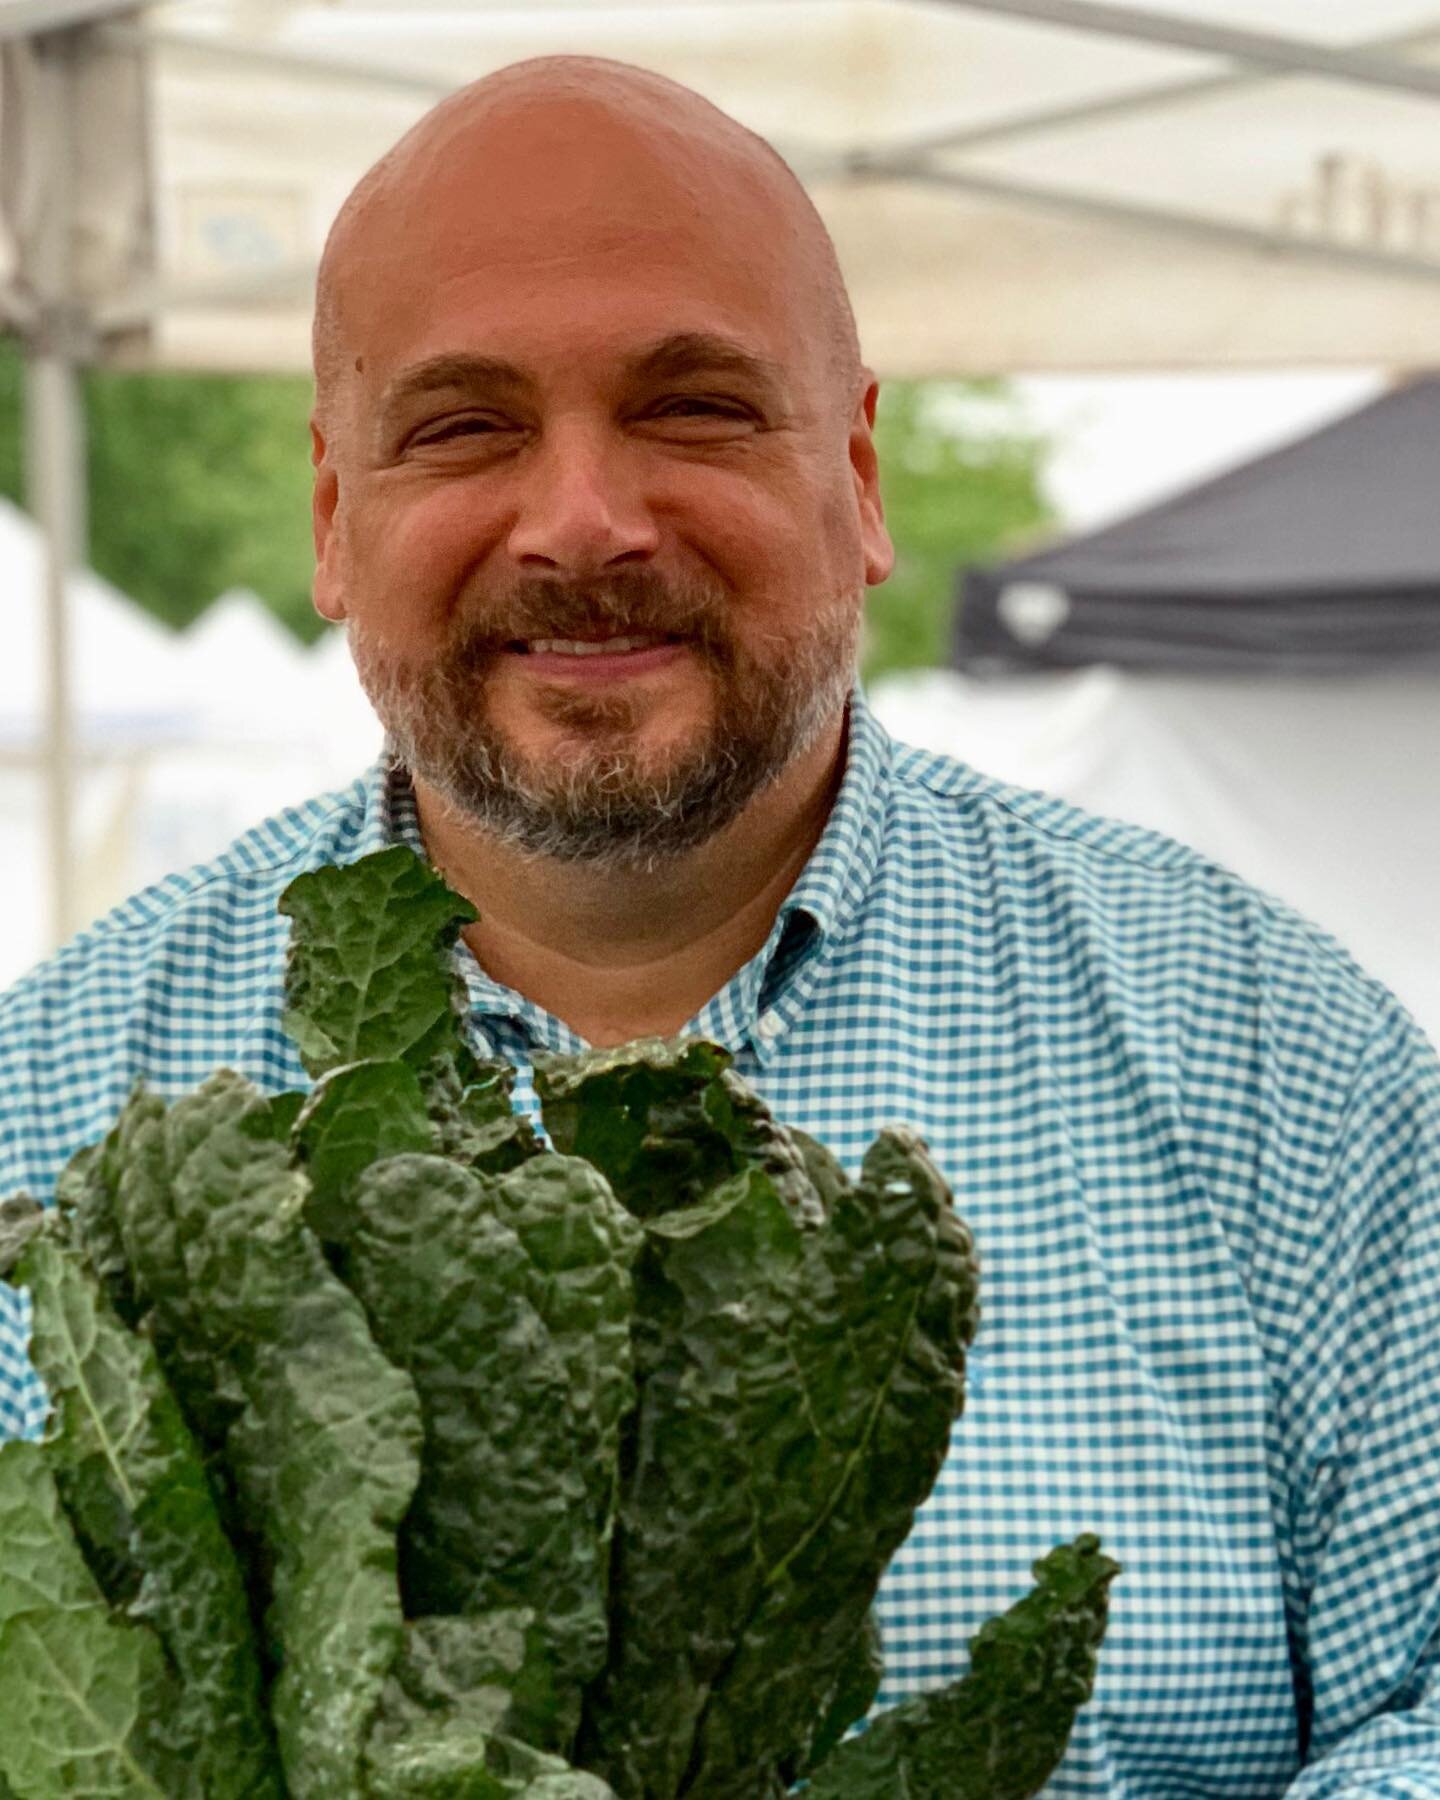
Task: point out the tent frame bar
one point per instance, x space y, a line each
1156 218
1144 99
1259 49
290 283
306 65
1374 62
37 18
277 62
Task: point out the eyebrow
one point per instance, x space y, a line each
681 353
704 352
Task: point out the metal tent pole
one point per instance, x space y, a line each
54 448
54 453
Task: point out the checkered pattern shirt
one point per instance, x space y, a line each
1197 1147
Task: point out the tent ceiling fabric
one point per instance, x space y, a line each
1011 186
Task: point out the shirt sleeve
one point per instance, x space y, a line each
1364 1494
23 1406
22 1399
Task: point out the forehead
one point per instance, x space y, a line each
566 235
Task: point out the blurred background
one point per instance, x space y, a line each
1154 291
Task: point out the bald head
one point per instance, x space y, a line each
564 140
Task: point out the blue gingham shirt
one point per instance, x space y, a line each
1198 1149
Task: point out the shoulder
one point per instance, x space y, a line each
1145 981
1184 967
181 978
1136 887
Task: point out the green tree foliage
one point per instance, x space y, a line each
199 483
961 478
12 420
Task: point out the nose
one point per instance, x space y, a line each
581 509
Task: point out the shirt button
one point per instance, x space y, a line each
767 1027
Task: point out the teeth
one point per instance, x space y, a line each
580 647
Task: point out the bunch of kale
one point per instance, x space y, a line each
392 1454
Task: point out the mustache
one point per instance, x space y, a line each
637 601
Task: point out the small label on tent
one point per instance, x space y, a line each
225 228
1032 610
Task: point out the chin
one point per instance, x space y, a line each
621 716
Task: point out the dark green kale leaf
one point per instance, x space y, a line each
324 1450
712 1313
134 1487
118 1197
90 1689
370 981
88 1190
998 1732
470 1109
580 1245
883 1313
852 1696
20 1219
357 1114
445 1720
635 1523
799 1354
152 1145
508 1301
276 1117
451 1758
461 1667
666 1122
369 974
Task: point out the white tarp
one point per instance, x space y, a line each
1013 184
126 666
183 740
1321 792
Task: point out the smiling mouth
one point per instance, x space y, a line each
619 645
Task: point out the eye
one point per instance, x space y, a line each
446 431
703 408
697 403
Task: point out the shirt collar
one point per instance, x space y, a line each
761 999
388 815
842 864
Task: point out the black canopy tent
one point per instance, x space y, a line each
1322 556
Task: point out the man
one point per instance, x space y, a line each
597 498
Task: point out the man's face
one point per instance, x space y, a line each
597 517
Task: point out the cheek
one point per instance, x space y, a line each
409 556
840 527
760 525
798 549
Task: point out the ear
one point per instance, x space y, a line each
327 592
875 542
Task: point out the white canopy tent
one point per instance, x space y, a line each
125 678
1012 184
181 739
1225 182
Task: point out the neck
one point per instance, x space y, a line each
616 954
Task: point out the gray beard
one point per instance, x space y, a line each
602 806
